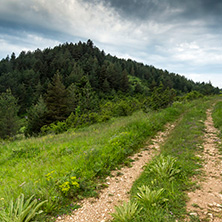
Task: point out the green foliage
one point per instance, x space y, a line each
54 128
150 198
8 115
116 108
72 75
126 212
67 185
217 114
70 186
21 210
164 167
192 95
56 100
36 117
160 98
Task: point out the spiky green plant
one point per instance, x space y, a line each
164 167
21 211
150 198
126 212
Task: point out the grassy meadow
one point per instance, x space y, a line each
70 166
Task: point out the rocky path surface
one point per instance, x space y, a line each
206 202
119 185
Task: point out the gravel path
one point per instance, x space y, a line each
206 202
99 209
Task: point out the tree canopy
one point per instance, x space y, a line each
51 84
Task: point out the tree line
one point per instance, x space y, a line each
47 86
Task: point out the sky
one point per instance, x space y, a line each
183 37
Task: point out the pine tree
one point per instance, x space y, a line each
8 114
36 117
73 97
56 100
124 81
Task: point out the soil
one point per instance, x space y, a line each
119 185
206 202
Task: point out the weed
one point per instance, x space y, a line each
164 168
126 212
150 198
21 210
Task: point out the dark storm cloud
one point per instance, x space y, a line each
17 17
167 10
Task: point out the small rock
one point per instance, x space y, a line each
211 215
193 214
59 218
219 205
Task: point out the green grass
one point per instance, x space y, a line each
217 119
66 167
217 115
171 172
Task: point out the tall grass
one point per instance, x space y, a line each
217 115
217 119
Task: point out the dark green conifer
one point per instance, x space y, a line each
8 115
56 100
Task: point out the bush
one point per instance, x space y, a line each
160 98
192 95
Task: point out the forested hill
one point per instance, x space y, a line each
80 75
29 74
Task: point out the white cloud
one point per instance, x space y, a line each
25 43
215 79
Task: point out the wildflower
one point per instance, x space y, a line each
74 183
65 187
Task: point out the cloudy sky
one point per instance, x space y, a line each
183 37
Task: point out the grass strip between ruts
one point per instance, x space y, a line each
183 144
